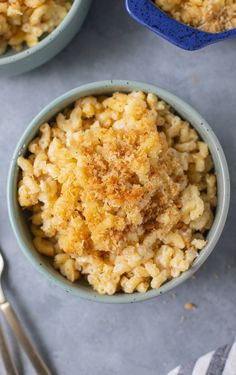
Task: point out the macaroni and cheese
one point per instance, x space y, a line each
208 15
26 21
120 190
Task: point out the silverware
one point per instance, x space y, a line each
6 356
19 332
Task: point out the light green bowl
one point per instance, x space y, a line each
13 63
20 227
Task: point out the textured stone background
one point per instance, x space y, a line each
80 337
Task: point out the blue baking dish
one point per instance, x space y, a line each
183 36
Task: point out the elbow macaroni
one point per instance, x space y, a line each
26 21
121 190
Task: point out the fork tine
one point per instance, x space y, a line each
10 368
2 297
1 262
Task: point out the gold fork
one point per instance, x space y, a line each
19 332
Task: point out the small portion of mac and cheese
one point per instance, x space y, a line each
26 21
121 190
209 15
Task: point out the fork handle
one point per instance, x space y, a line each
19 332
6 356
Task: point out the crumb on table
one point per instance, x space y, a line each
190 306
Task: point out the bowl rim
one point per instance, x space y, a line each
30 51
176 32
185 111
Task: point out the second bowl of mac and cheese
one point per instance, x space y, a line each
188 24
34 31
118 191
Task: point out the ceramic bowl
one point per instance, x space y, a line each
13 63
186 37
20 226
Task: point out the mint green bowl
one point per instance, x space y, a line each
13 63
20 227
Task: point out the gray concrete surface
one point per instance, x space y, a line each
80 337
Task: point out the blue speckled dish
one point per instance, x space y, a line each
183 36
21 226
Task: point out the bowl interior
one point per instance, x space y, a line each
20 223
10 52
